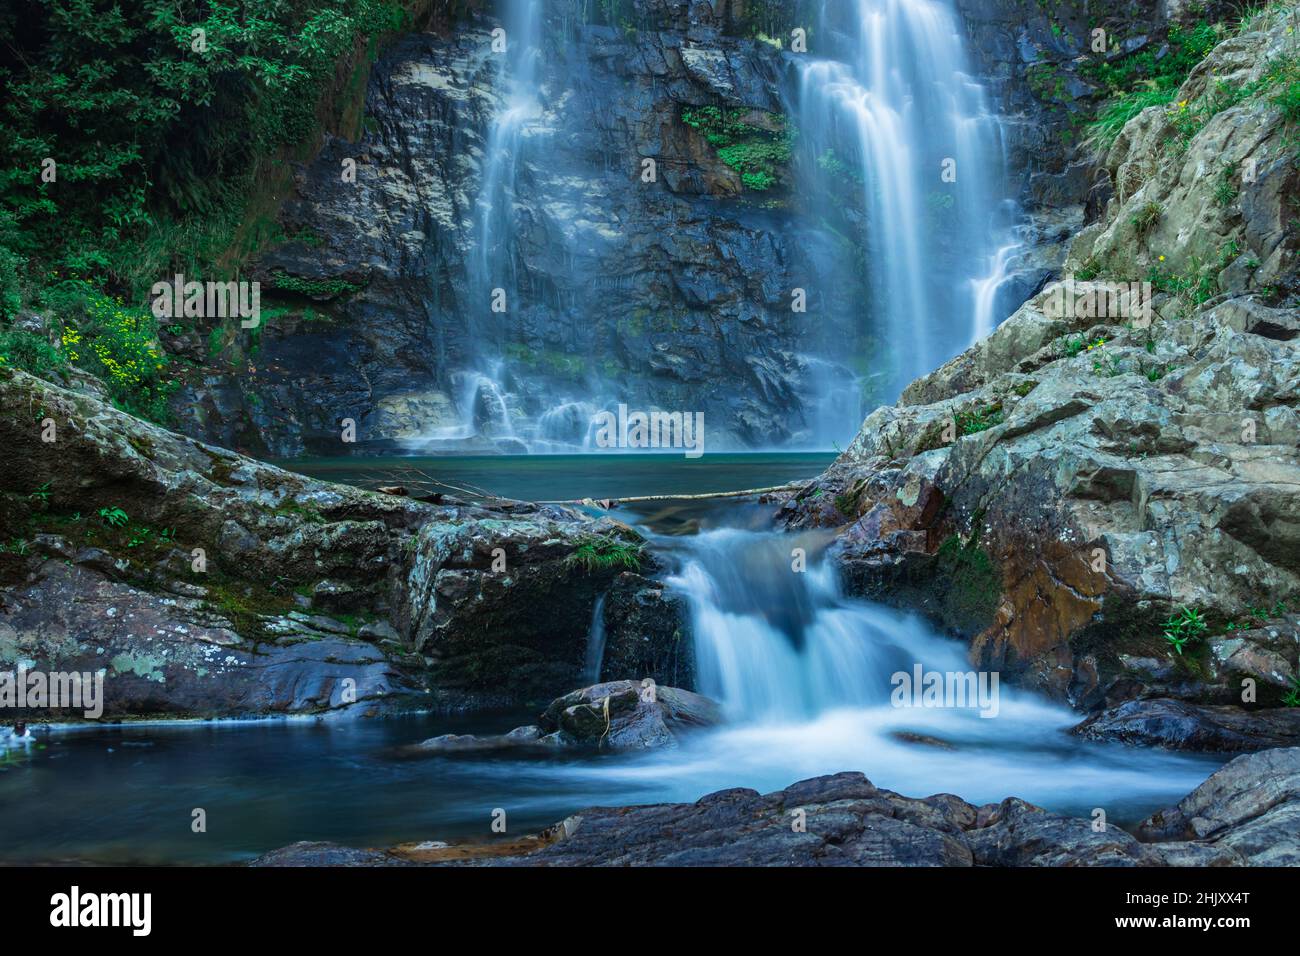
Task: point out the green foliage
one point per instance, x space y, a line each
1146 79
1146 217
772 20
314 288
602 552
143 126
118 344
760 154
1183 627
1292 697
1114 116
979 419
161 118
31 353
114 517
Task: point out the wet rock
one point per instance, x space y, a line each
629 715
189 600
1016 833
1178 725
503 607
647 633
1248 811
308 853
521 738
1244 814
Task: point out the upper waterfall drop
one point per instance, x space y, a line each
891 104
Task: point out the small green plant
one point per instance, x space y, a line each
1184 627
114 517
1110 366
980 419
1225 187
760 153
1155 372
1074 345
41 494
1292 697
602 552
1144 219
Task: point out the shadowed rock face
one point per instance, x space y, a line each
226 586
1244 814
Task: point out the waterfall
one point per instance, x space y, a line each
776 644
491 265
892 118
517 77
596 641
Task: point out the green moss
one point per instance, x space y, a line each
973 584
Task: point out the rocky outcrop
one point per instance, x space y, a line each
1203 186
1105 501
205 583
502 607
1245 814
615 716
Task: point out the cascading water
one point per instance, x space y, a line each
776 644
893 114
806 678
491 265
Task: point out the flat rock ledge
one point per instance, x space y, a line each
1245 814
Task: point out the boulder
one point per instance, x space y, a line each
1249 811
1178 725
629 715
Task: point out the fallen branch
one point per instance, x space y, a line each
608 503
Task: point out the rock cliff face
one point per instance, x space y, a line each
205 583
674 293
1090 479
